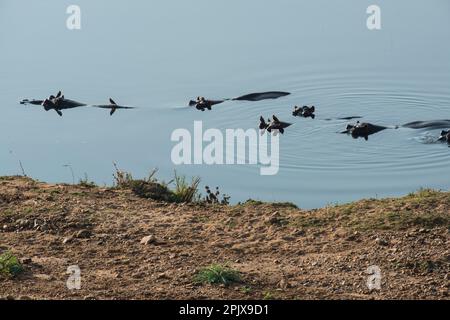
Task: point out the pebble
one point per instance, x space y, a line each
151 239
381 242
67 240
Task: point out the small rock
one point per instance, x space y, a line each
148 240
381 242
67 240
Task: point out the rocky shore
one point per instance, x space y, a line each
127 247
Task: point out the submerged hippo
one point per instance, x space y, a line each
59 102
113 106
305 112
364 130
276 124
262 96
203 104
445 136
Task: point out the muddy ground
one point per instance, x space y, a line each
281 252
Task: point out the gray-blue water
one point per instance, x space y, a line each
156 55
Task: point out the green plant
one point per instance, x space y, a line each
10 265
185 192
246 290
268 296
218 274
123 179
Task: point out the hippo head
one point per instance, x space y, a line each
48 104
445 136
349 128
309 112
361 130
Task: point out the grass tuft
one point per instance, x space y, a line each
218 274
185 192
10 265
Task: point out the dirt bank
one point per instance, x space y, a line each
281 252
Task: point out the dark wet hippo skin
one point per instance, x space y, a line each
305 112
203 104
274 125
113 106
262 96
445 136
434 124
59 102
363 130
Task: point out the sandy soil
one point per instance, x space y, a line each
280 251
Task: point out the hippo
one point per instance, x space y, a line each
445 136
274 125
305 112
59 102
113 106
203 104
262 96
364 130
434 124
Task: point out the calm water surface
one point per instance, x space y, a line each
157 55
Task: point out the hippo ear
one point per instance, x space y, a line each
112 101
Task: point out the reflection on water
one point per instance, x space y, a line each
158 55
